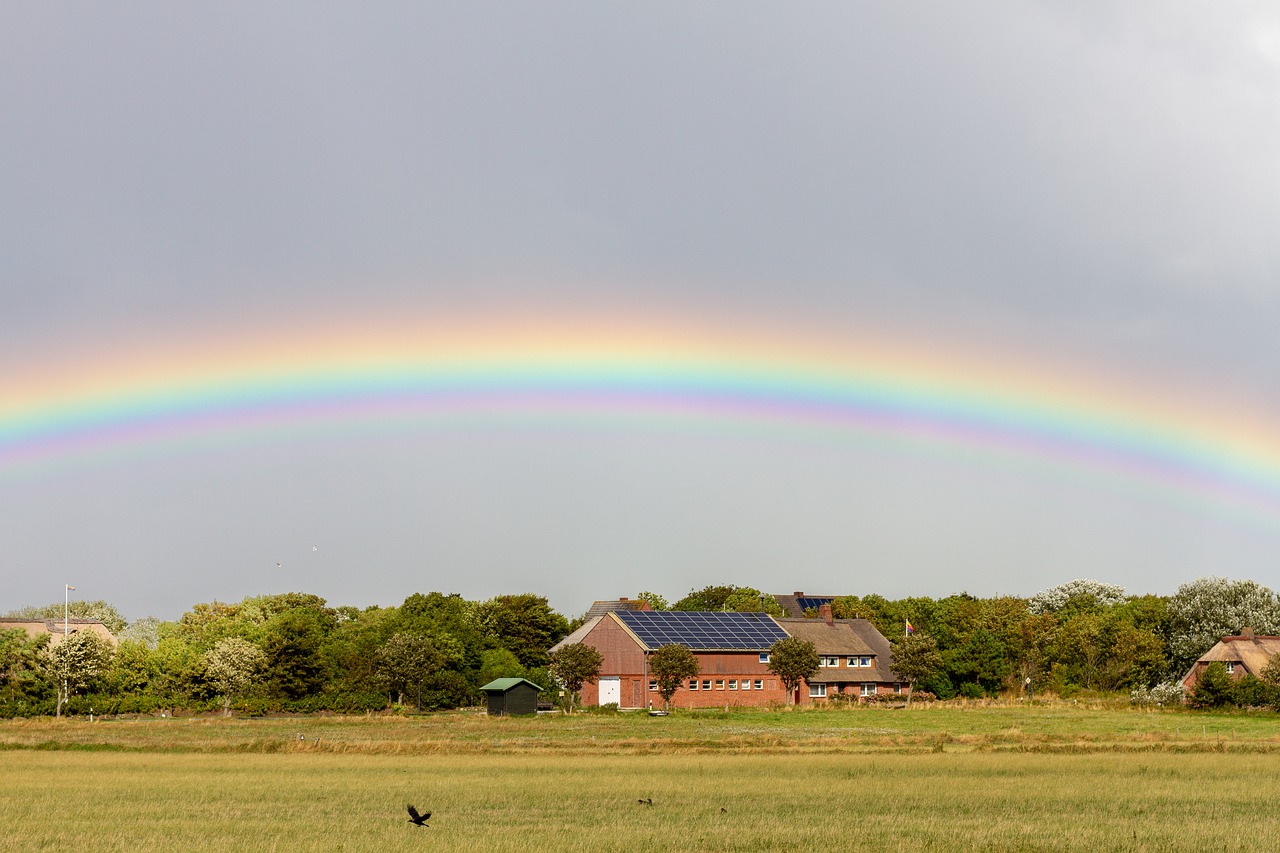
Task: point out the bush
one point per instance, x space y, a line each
1214 688
1165 693
972 690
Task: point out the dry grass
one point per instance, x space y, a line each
1012 778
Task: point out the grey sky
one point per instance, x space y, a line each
1100 187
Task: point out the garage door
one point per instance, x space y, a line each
610 690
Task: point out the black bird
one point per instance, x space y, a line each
645 801
418 819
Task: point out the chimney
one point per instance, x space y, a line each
622 598
1247 633
824 612
798 594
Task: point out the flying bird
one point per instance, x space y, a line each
314 548
278 566
418 819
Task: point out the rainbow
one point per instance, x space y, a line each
184 393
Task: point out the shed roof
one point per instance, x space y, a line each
502 685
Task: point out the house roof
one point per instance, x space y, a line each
845 637
1253 651
577 636
502 685
701 630
56 628
797 603
600 608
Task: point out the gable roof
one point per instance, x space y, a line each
502 685
577 636
701 630
845 637
794 605
55 628
600 608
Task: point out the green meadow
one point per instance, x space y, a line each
1056 777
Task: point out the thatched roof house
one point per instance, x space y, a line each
1242 653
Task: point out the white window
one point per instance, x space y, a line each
864 661
693 685
653 686
764 657
759 684
853 660
828 660
817 691
746 684
733 684
897 687
868 689
719 684
706 685
1231 667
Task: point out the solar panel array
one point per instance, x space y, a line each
812 603
702 630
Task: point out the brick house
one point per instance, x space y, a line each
854 657
733 657
1242 653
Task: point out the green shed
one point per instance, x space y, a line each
512 696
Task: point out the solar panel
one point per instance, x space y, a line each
812 602
702 630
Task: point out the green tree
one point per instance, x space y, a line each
793 660
20 663
982 660
915 658
656 601
292 645
407 662
499 663
670 666
707 598
524 624
233 666
1214 688
575 665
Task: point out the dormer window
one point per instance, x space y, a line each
1231 667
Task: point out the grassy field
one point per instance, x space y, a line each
1001 778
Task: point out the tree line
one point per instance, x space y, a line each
295 652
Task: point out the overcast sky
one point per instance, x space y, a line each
1073 185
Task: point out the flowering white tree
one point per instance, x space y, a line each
1056 598
1205 610
75 663
233 666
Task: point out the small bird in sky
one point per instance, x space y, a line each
278 565
314 548
418 819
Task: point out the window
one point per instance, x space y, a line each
764 657
828 660
706 685
746 684
759 684
719 684
868 689
693 685
653 686
864 661
897 687
1231 667
817 691
853 660
733 684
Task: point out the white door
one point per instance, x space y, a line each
611 690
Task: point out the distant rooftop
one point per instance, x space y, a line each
600 608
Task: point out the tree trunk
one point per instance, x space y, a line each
911 685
